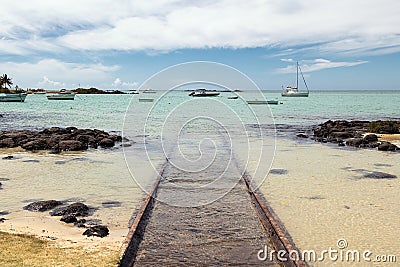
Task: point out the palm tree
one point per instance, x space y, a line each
6 81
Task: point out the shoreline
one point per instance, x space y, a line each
31 176
65 236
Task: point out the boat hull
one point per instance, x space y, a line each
61 97
299 94
146 100
206 95
263 102
12 98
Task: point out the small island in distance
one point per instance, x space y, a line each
92 91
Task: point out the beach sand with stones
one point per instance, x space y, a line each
322 193
97 178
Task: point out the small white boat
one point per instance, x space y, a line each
203 93
18 97
149 91
293 91
62 95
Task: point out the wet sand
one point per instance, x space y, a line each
99 179
321 194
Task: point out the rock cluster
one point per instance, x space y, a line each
69 214
41 206
352 133
58 139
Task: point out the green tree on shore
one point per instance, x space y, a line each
5 81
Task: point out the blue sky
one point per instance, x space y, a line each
118 44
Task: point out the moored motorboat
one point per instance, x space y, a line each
146 99
12 97
62 95
263 102
203 93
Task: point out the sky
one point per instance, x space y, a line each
119 44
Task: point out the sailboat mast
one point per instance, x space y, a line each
297 75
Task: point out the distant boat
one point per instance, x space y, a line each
263 102
233 97
146 99
16 97
133 92
149 91
39 92
293 91
203 93
62 95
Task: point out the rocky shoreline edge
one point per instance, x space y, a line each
58 139
360 134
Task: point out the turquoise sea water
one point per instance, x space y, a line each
107 112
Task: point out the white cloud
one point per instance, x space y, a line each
318 64
332 26
55 74
118 84
47 83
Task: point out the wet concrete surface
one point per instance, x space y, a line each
221 230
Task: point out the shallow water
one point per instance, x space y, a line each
324 197
318 192
91 177
203 218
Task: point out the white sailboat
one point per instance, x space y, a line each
293 91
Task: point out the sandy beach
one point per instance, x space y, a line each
100 179
322 193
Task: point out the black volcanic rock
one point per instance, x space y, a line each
7 142
58 139
98 230
371 138
42 205
68 219
106 142
38 144
75 209
351 133
386 146
72 145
